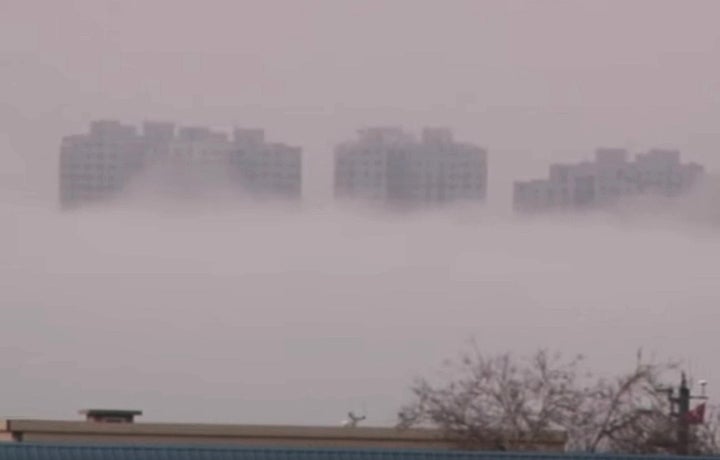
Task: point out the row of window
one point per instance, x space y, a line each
548 198
368 175
407 152
282 154
269 167
88 166
601 189
103 152
629 175
87 177
112 152
268 164
89 188
415 185
422 195
279 185
277 175
379 163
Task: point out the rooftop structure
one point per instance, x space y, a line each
110 415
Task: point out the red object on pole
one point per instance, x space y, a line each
697 415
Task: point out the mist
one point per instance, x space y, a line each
267 313
263 314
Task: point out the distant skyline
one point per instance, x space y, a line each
384 165
112 160
533 82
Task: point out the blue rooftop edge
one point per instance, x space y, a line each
70 451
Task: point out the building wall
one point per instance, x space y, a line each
100 164
234 441
269 170
389 166
44 431
610 178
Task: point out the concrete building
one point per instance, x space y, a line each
389 166
185 164
98 165
265 169
117 427
608 179
101 164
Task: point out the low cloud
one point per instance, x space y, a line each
264 314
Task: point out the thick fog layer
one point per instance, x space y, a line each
295 316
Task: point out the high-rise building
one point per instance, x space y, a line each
184 161
186 164
606 180
389 166
99 164
265 169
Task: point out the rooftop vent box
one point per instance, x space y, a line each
110 415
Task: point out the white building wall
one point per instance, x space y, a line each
388 165
269 170
100 164
607 180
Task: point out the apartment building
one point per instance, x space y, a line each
98 165
181 161
610 178
389 166
265 168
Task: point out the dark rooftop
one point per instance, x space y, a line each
25 451
110 415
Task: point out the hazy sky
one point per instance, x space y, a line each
533 81
256 315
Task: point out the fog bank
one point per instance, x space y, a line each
255 315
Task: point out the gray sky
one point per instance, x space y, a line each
533 81
264 316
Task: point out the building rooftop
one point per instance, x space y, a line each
104 431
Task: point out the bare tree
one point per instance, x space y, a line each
498 401
626 413
504 402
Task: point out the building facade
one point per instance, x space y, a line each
101 164
388 165
265 169
611 177
98 165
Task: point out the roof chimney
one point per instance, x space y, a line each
110 415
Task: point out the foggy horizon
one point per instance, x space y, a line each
234 311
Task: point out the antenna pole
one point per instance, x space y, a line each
683 422
683 427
